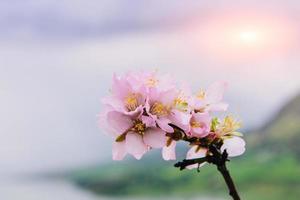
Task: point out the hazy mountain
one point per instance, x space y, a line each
282 133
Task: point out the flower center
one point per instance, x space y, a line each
180 104
159 109
201 95
151 82
195 124
230 125
139 127
132 101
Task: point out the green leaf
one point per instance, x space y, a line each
214 123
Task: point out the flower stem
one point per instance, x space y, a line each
229 182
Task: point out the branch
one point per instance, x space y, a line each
219 159
186 162
229 182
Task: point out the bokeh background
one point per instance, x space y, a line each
56 63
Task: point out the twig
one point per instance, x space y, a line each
219 159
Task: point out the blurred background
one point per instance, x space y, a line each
56 63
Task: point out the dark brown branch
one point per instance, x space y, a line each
217 159
183 164
229 182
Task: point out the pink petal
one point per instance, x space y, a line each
199 132
155 137
167 97
119 122
153 95
193 154
102 121
166 82
147 105
218 107
234 146
120 87
169 153
202 117
119 150
135 145
114 102
197 103
135 113
163 123
215 92
181 119
148 121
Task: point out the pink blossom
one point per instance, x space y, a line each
158 107
126 97
146 110
181 111
181 119
151 80
133 136
211 99
199 125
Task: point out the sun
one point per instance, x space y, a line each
249 37
242 37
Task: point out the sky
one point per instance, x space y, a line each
57 59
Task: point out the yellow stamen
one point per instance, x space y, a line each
195 124
180 104
152 82
230 125
132 101
159 109
139 127
201 94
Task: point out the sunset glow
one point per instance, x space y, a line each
237 37
249 37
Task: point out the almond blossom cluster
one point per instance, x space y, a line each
147 110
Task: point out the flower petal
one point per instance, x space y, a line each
168 152
120 87
167 97
102 121
155 137
119 122
181 119
193 153
234 146
215 92
163 123
199 132
148 121
119 150
135 145
218 107
114 102
200 124
202 117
